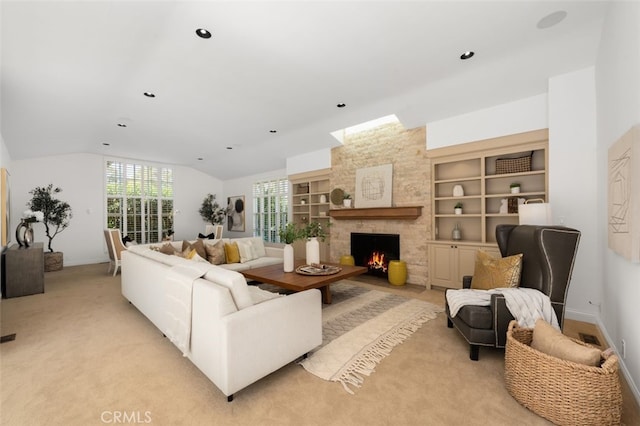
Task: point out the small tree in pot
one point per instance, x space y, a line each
211 211
56 217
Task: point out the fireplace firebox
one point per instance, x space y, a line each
375 251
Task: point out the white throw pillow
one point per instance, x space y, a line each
246 250
258 246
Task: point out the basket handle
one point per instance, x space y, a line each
541 200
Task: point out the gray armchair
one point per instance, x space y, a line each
548 256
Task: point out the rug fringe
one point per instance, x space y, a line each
365 363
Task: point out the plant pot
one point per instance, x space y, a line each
313 251
347 202
288 258
457 211
53 261
515 190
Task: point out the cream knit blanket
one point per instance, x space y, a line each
525 304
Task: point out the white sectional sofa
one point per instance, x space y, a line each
238 333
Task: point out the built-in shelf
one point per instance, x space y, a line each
373 213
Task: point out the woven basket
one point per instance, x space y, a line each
563 392
514 165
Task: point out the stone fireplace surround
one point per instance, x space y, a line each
406 150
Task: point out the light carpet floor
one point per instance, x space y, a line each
83 356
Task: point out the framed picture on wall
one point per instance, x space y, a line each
235 213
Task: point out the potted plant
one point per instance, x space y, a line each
288 234
457 209
515 188
211 211
56 215
346 199
312 232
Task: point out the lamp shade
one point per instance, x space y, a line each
538 213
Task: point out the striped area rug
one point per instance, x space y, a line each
360 328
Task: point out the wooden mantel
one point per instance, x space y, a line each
373 213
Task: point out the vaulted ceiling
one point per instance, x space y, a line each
74 72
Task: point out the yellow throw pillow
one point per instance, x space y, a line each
550 341
491 273
232 253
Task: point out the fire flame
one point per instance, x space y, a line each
377 261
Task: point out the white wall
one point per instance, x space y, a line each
316 160
572 162
244 186
81 177
618 105
505 119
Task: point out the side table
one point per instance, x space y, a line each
23 270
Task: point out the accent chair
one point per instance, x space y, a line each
115 246
547 263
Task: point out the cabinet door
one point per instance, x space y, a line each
442 266
466 261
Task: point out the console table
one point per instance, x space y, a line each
23 270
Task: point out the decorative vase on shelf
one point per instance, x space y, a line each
323 198
347 202
456 235
24 234
312 251
288 258
458 191
457 210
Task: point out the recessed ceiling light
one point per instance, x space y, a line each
202 33
106 144
229 147
273 131
200 158
341 105
149 95
551 19
122 125
466 55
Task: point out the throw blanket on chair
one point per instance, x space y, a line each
179 282
525 304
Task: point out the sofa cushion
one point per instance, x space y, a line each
479 316
235 282
258 246
245 248
232 252
215 252
198 245
491 273
259 295
264 261
550 341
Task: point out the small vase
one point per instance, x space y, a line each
347 202
24 234
313 251
457 211
515 190
288 258
456 235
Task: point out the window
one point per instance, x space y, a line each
270 208
139 200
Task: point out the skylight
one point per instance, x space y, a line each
362 127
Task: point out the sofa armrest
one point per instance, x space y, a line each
466 281
249 344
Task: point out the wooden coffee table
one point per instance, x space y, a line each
274 274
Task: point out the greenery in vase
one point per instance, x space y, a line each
314 230
346 196
56 214
290 233
514 185
458 206
211 211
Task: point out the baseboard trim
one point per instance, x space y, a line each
595 319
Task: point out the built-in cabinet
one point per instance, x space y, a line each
310 203
466 174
